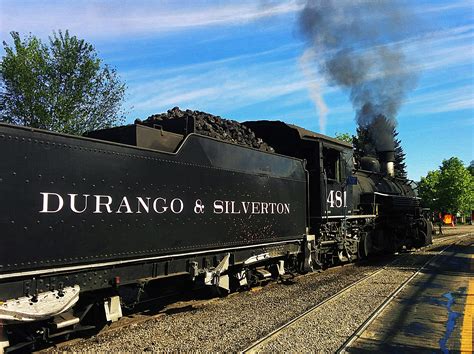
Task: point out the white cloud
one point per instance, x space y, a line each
117 18
237 81
150 74
241 81
218 88
442 100
440 7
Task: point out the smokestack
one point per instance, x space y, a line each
387 159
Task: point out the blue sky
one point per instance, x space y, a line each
244 60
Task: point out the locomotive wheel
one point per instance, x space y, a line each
428 239
365 243
429 233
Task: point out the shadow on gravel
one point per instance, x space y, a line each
371 346
287 282
455 262
176 310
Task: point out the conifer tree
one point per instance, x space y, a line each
400 166
364 145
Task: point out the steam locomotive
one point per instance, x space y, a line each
87 221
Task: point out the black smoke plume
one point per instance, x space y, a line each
358 46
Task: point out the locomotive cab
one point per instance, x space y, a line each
328 163
335 179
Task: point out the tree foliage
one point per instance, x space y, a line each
428 190
62 86
399 163
470 168
364 145
344 137
448 189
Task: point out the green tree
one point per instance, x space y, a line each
400 166
456 186
470 168
62 86
344 137
364 145
449 189
428 190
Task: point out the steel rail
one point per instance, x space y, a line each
275 332
251 348
361 329
137 320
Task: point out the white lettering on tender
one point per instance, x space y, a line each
254 208
155 205
73 203
79 203
273 207
280 208
233 209
218 207
99 203
180 205
142 203
46 202
124 204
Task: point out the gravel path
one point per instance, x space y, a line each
232 323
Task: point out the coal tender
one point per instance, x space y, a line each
89 224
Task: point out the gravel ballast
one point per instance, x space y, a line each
329 326
227 324
233 323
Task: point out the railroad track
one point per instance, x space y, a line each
252 348
388 300
259 344
193 304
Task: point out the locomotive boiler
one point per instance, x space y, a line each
88 220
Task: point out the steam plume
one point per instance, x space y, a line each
314 88
358 44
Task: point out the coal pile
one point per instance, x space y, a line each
212 126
